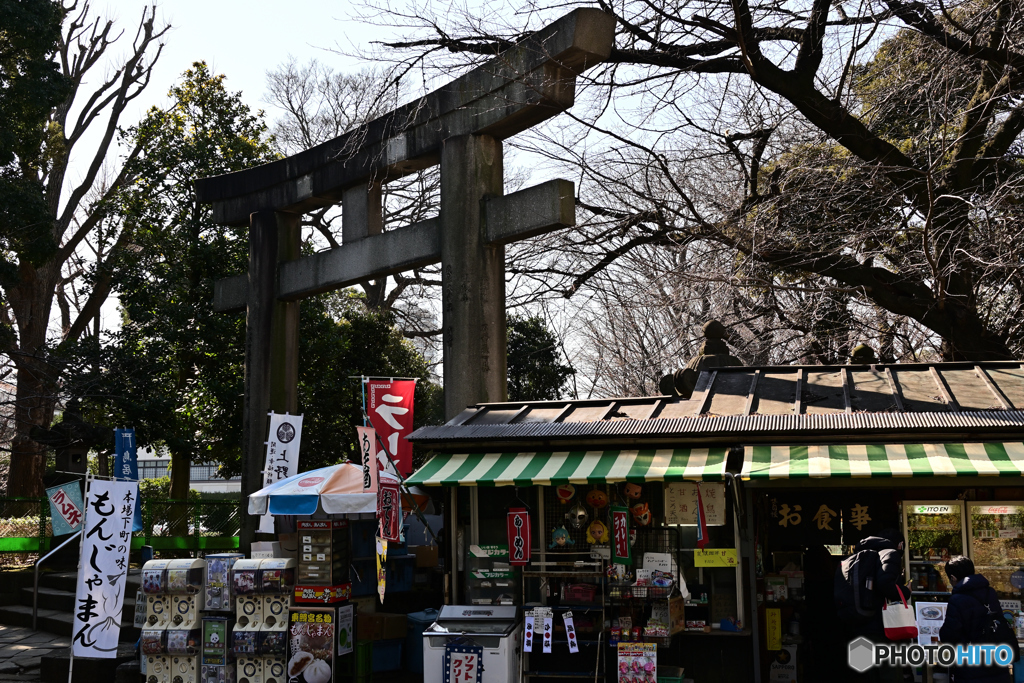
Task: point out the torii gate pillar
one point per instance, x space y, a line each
473 275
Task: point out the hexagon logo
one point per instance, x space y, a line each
861 654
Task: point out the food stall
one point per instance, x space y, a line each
809 461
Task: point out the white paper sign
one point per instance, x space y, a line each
346 636
681 503
548 628
282 456
570 633
528 635
103 568
930 617
368 457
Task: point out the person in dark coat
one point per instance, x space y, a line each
888 581
968 608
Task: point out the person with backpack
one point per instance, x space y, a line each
974 616
864 582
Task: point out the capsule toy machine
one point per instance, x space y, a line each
277 584
154 590
219 593
153 647
185 584
218 660
183 653
245 634
274 652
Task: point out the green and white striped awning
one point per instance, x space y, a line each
572 467
884 460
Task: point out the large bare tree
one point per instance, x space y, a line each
863 150
77 172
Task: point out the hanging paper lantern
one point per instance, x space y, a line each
597 499
565 493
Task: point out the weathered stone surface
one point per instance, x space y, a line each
54 666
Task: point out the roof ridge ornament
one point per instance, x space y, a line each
714 353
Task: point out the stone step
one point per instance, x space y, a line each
59 621
68 581
54 666
52 598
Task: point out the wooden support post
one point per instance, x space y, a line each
271 349
473 291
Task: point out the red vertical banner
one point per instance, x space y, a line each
389 405
702 521
389 508
621 550
368 458
518 537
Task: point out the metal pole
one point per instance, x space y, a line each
35 582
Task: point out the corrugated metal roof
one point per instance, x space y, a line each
769 402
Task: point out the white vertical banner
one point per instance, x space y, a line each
570 633
368 457
282 456
547 635
528 636
103 567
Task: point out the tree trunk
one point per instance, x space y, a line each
35 393
181 467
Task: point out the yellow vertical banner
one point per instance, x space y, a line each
773 629
382 558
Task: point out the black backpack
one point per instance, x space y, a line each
854 591
993 629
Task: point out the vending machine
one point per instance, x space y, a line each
219 593
153 646
245 634
274 651
218 661
277 584
154 589
185 585
183 656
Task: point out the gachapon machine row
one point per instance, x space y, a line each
154 590
170 655
263 590
185 585
218 659
219 593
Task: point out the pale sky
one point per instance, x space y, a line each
245 39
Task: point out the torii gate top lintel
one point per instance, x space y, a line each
515 90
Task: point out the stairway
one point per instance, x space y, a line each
57 602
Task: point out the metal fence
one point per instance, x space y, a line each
25 525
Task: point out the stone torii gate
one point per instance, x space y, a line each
459 126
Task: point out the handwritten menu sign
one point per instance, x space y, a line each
715 557
681 502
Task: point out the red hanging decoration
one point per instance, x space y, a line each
389 508
518 537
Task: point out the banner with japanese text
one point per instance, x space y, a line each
126 466
66 508
463 663
368 457
389 509
390 407
103 568
622 552
518 537
829 518
282 459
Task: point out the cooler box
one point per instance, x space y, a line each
496 629
418 623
